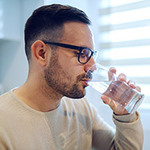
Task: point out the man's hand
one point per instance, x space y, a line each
115 106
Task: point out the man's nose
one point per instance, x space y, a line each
89 64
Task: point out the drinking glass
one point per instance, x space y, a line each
108 84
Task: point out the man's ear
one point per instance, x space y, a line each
39 52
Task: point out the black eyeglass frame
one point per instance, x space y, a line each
78 48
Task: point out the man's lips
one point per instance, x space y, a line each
85 81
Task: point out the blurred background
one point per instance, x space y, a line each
121 31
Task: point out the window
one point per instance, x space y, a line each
124 40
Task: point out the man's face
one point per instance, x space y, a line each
64 73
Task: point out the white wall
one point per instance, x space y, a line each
14 67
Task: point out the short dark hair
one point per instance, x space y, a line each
46 23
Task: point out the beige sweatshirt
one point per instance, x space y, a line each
74 125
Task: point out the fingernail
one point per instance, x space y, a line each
122 76
132 82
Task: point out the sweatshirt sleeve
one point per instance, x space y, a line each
128 134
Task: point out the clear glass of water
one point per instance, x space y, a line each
107 84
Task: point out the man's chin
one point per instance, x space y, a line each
78 95
81 95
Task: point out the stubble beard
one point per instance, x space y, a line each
62 83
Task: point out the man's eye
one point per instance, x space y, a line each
76 53
83 55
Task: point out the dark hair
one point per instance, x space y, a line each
46 23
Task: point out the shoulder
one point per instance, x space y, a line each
8 104
5 99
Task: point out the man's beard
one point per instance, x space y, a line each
61 82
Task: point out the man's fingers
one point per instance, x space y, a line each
138 88
131 83
109 102
122 77
116 108
111 73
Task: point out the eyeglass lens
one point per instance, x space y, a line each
85 55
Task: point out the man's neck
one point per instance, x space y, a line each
37 97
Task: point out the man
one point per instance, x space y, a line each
48 112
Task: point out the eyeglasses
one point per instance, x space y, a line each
84 54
